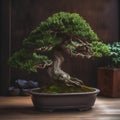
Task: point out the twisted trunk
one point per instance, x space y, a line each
56 73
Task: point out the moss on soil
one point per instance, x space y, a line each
61 88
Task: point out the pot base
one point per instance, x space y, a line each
52 109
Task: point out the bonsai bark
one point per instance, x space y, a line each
57 73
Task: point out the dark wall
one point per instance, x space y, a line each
4 45
25 15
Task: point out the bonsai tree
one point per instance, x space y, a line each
61 33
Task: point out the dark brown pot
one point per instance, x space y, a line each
109 82
81 101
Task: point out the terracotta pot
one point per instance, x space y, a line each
109 81
50 102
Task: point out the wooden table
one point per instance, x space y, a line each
21 108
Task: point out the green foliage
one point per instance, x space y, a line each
115 54
24 59
100 49
58 27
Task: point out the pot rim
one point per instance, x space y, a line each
74 93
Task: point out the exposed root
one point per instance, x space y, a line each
76 80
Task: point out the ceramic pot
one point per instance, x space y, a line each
81 101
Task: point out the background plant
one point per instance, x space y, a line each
115 54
